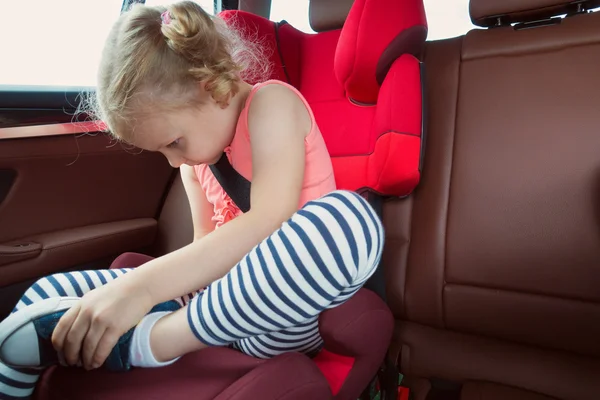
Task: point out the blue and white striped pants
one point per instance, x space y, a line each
269 302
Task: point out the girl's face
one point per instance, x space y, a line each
192 135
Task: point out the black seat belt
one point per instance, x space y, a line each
376 282
234 184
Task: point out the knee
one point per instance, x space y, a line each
351 205
353 212
347 197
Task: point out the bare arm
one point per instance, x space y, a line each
279 123
202 210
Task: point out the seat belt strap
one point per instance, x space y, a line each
376 282
232 182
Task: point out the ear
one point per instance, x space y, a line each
225 104
203 92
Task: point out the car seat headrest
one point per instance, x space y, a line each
328 15
487 13
375 34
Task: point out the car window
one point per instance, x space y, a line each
58 43
295 12
447 18
54 43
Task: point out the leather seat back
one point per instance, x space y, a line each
497 271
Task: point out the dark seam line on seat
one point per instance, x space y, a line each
534 52
523 292
488 337
424 124
448 200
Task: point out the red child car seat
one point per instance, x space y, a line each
363 83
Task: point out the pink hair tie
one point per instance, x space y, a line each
166 18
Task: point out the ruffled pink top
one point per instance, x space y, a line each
318 173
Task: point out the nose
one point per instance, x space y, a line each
175 162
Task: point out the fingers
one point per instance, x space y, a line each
75 336
79 336
90 345
105 345
62 328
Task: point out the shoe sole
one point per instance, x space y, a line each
17 320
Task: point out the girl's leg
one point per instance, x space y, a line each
304 338
315 261
19 382
269 303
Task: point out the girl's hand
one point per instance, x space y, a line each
89 331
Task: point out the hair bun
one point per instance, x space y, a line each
193 34
188 27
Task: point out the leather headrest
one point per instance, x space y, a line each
375 34
488 13
328 15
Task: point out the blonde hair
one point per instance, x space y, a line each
152 60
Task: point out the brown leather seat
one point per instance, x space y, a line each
493 265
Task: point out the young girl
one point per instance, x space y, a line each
170 81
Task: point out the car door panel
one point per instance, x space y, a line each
70 197
70 181
44 254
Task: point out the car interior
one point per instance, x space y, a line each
482 152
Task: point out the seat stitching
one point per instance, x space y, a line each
449 194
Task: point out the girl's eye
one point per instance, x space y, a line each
173 143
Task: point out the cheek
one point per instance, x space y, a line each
196 150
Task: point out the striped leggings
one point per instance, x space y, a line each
270 301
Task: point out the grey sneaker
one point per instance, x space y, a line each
25 336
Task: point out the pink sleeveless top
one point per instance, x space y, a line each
318 172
